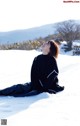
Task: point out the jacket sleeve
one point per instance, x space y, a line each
34 72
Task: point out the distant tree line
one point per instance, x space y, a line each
27 45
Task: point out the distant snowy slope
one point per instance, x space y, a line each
26 34
62 109
29 34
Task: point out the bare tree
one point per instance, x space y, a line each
68 31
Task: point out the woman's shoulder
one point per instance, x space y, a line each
43 57
38 57
54 58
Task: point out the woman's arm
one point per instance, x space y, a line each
35 73
34 70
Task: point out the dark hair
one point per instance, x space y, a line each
57 41
54 49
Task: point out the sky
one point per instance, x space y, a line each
23 14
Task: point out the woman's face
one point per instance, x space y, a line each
46 48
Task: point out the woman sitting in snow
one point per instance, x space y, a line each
44 74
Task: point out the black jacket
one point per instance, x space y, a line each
44 72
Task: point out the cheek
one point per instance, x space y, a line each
48 49
44 48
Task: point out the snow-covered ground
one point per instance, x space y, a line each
62 109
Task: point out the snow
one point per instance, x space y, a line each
62 109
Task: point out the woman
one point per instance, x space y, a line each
44 74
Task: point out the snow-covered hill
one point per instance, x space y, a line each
29 34
26 34
62 109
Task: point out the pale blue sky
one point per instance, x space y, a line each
22 14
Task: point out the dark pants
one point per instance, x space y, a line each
19 90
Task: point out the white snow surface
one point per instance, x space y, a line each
62 109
